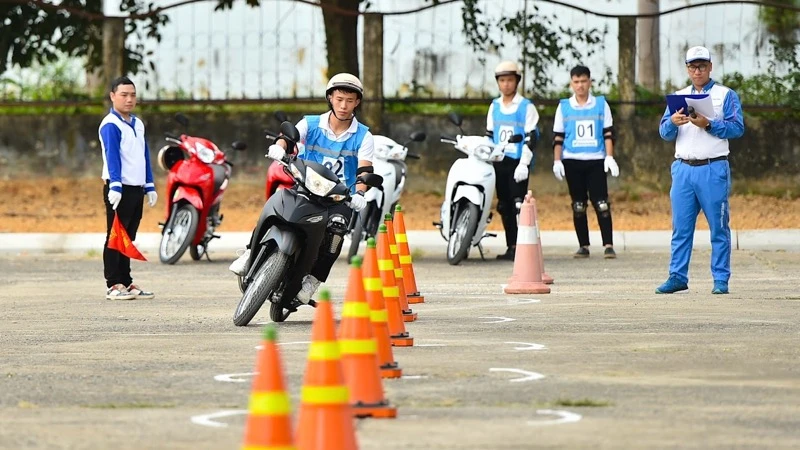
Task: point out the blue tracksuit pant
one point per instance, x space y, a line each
696 188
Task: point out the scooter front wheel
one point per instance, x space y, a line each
465 223
177 239
266 281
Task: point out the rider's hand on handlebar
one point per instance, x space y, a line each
275 152
358 202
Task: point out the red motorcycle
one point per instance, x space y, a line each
198 176
277 177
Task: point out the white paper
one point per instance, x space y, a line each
703 106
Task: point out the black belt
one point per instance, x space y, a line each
702 162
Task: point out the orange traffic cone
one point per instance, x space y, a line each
546 279
325 420
527 275
408 314
397 329
360 351
409 280
269 423
378 314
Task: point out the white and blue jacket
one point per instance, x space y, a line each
339 153
693 142
503 121
583 127
126 155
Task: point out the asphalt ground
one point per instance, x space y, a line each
601 362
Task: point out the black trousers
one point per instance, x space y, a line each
582 177
116 266
509 193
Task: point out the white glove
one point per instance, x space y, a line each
276 152
609 165
152 198
114 198
358 202
558 170
521 173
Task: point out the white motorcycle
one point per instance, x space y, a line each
389 162
466 211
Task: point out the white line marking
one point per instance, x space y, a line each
413 377
522 301
206 419
528 346
500 319
529 376
564 417
430 345
261 347
234 377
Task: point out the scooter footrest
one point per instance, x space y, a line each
437 225
215 236
490 235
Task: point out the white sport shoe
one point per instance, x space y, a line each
119 292
239 267
308 288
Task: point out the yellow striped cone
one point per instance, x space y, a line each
379 316
397 329
409 279
269 421
360 351
408 314
325 420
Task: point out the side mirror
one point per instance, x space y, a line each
281 116
455 119
182 119
515 138
418 136
289 130
238 145
371 180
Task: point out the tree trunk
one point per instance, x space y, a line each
648 47
626 80
373 72
341 35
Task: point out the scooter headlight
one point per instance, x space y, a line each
483 152
317 184
382 151
204 153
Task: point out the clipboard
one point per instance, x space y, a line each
676 102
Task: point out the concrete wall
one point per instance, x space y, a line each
68 145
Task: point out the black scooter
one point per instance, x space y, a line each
293 226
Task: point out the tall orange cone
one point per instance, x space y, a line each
360 351
397 329
409 280
325 420
378 313
408 314
546 279
527 275
269 422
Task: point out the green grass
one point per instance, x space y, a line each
579 403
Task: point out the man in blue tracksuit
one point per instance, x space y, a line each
701 175
337 140
508 115
128 179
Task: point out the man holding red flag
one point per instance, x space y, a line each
128 179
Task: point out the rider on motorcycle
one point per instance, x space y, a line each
337 140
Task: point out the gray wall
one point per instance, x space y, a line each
68 145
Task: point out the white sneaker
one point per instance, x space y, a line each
119 292
239 267
308 288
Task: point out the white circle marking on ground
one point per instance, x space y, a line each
413 377
261 347
527 346
523 301
499 319
564 417
234 377
528 375
206 420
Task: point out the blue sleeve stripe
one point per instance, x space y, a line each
115 186
112 136
732 124
667 129
148 169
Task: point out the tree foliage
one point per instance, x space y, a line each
782 28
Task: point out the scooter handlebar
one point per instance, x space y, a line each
412 155
448 138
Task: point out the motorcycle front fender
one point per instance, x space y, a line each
183 193
469 192
285 240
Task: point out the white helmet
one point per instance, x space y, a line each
346 82
507 68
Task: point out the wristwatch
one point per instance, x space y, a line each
708 127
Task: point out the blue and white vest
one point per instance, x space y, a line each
507 125
583 130
341 157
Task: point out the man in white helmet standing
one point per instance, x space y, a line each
508 115
337 140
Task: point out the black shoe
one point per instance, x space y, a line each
508 255
609 253
582 252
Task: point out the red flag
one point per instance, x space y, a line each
119 240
